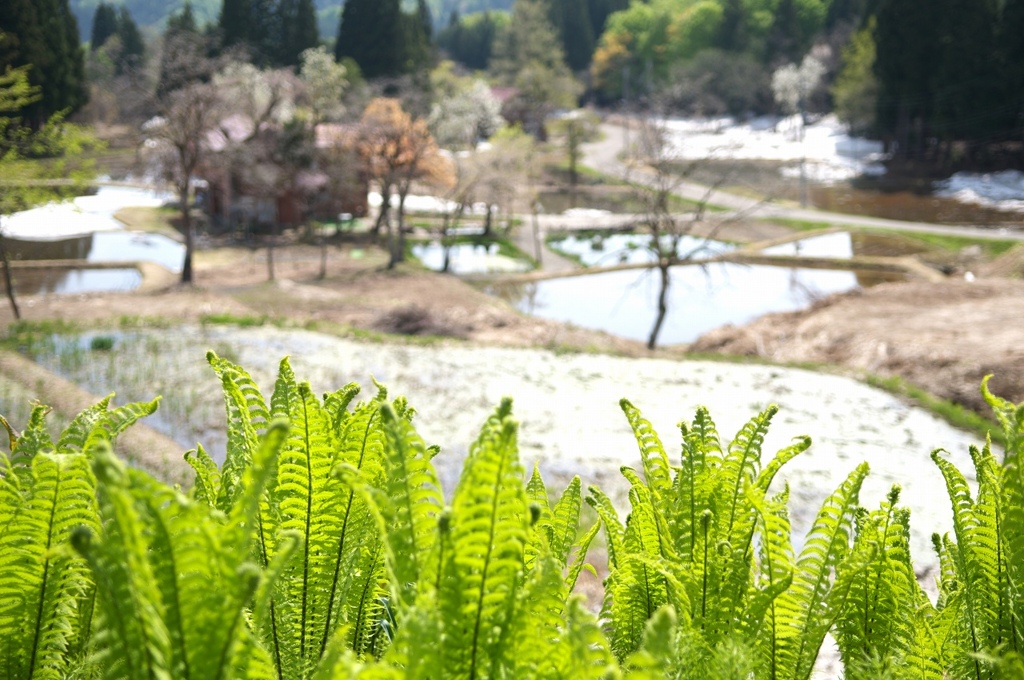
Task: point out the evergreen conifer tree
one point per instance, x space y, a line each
370 33
133 48
732 32
576 33
44 33
104 25
235 22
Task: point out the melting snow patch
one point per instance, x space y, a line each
999 190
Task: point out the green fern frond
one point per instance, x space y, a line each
565 521
743 461
803 611
120 418
532 646
783 456
206 487
614 531
134 641
589 655
78 430
415 504
658 655
34 439
41 582
489 531
246 415
579 562
307 500
657 470
874 622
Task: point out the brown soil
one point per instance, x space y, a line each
944 337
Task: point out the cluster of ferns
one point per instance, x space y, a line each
324 548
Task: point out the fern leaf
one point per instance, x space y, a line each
415 503
246 414
307 499
40 580
206 487
803 610
580 560
657 470
589 655
34 439
75 434
489 529
123 417
134 641
741 465
614 531
565 521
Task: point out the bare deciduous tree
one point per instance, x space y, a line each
189 115
667 227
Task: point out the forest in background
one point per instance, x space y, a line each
942 84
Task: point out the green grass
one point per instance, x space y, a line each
947 242
953 413
226 318
990 247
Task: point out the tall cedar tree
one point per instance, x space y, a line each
571 19
44 33
732 31
417 43
133 48
598 11
104 25
905 57
370 33
298 20
181 37
1011 60
785 42
234 22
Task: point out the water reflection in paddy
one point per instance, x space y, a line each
468 258
701 298
601 250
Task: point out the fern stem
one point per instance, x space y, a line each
306 537
46 573
225 651
357 629
705 521
341 540
273 611
487 561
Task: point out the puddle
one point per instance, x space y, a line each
468 258
67 282
111 246
84 229
701 298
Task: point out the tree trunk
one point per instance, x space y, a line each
186 227
398 241
664 266
537 250
446 250
385 207
323 256
8 280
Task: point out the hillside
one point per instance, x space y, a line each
154 12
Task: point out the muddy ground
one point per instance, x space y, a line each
943 337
